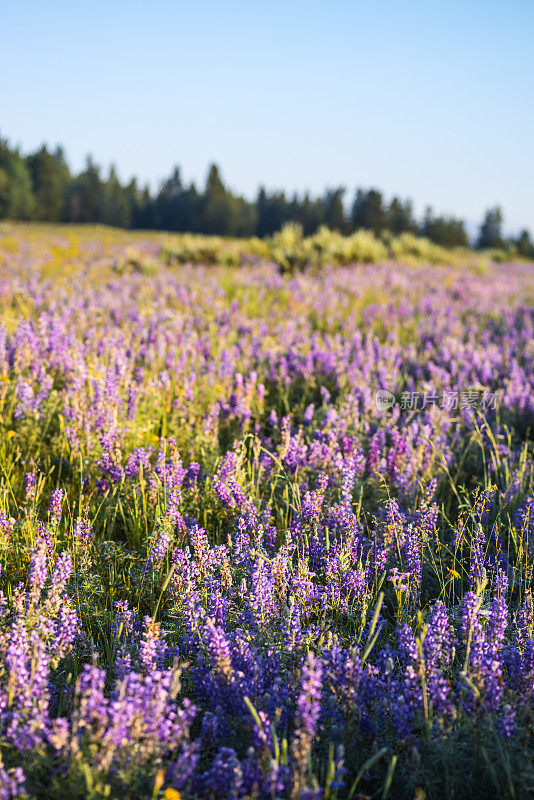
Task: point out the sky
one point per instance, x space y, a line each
432 101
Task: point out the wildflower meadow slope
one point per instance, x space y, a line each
262 535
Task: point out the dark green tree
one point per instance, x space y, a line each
246 216
169 211
116 205
273 210
218 214
85 195
50 176
368 211
490 234
309 213
333 210
16 196
446 231
399 217
524 244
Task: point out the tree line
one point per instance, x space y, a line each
41 186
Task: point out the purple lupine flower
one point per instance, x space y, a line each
173 510
472 630
477 570
293 630
427 511
29 486
406 645
92 703
306 720
38 570
123 664
133 391
83 531
438 643
138 460
61 572
7 524
218 607
309 700
308 414
158 552
224 777
54 509
12 783
17 656
199 541
192 475
67 630
411 555
59 734
261 603
219 649
375 447
506 724
498 619
151 649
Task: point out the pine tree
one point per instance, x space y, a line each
490 234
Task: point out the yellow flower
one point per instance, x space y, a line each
172 794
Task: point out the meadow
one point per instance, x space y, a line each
227 570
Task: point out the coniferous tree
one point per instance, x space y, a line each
524 244
168 206
399 217
216 209
116 209
446 231
50 176
490 234
333 210
85 195
16 196
273 212
368 211
310 214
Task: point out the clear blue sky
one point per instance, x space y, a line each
429 100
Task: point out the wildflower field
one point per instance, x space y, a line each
228 569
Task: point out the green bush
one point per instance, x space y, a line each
294 252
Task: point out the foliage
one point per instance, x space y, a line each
294 252
490 235
16 198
